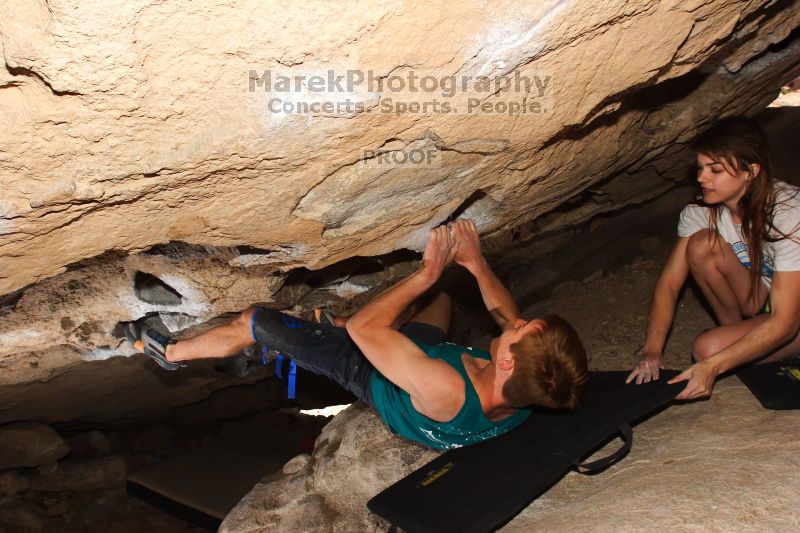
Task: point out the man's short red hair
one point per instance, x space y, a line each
550 367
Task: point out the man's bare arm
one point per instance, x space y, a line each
436 389
495 295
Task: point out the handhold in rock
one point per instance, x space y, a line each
152 290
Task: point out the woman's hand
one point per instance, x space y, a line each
648 368
469 244
439 252
701 377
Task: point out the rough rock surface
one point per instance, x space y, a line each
718 465
142 176
30 444
128 127
17 515
355 458
11 483
131 124
85 474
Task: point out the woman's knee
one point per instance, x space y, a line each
706 345
700 249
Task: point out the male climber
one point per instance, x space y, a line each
425 389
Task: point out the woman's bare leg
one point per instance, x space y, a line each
723 279
714 340
725 283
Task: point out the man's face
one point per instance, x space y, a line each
515 334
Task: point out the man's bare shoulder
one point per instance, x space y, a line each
441 391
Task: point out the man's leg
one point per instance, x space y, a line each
430 321
222 341
319 348
723 279
436 311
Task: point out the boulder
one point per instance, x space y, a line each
29 444
89 444
86 474
132 124
13 483
20 516
354 459
111 150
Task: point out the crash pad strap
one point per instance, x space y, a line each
598 465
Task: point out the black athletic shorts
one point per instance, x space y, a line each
327 350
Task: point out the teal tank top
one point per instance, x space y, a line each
469 426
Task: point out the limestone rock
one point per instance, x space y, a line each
85 474
89 444
132 125
12 483
650 244
354 459
154 438
144 172
59 508
29 444
99 442
19 516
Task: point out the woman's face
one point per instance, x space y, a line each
718 185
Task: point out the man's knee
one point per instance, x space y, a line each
444 299
244 322
702 247
706 345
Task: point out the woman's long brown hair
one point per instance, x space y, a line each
738 143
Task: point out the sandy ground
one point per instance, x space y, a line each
610 314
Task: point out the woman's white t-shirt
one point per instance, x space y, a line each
778 256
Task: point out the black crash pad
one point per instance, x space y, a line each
776 385
481 487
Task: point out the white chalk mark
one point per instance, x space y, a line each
511 36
